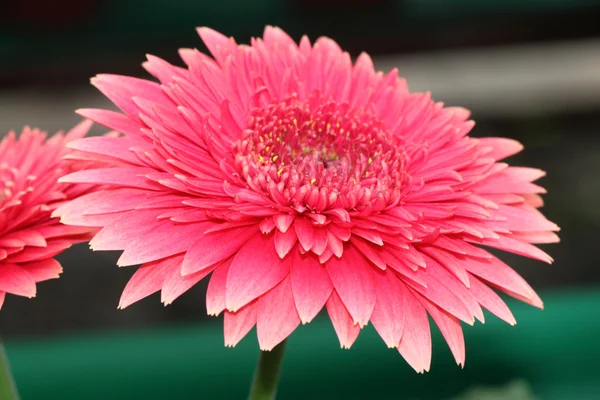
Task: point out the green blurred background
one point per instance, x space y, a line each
528 69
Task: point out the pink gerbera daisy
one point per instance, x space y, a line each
29 192
303 181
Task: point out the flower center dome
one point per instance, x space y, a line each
316 155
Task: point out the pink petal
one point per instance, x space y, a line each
148 279
354 281
237 324
283 221
175 284
305 232
491 301
2 296
255 269
133 177
311 285
43 270
499 274
440 294
347 331
215 293
113 120
388 314
125 229
209 249
277 316
451 330
284 242
16 280
500 147
115 147
415 345
166 239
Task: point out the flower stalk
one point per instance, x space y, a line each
8 390
266 376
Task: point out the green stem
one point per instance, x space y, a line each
8 391
266 375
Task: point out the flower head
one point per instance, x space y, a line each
30 166
303 181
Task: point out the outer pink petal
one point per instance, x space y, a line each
500 147
311 285
43 270
166 239
175 284
415 345
211 248
255 269
277 316
388 315
16 280
215 293
148 279
347 331
2 296
451 330
237 324
354 280
491 301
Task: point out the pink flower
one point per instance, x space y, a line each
303 181
29 192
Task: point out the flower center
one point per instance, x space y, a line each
317 155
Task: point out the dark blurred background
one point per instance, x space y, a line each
528 69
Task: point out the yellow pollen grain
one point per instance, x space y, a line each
261 139
370 160
328 127
275 158
312 181
261 159
280 171
267 148
337 125
295 121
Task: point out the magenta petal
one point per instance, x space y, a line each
237 324
388 314
148 279
347 331
451 330
283 221
354 280
305 231
255 269
209 249
284 242
415 345
16 280
310 284
43 270
277 316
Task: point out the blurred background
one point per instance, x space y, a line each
528 69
